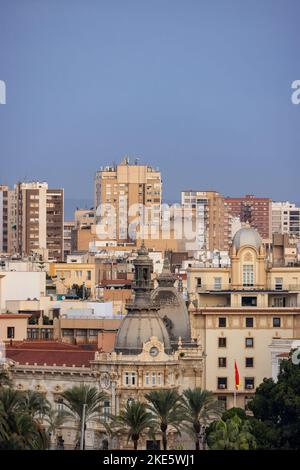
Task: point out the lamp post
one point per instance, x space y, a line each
82 434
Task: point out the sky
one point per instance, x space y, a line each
200 89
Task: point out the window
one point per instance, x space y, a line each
133 378
88 275
249 342
147 378
159 378
222 342
222 322
217 283
93 332
249 322
10 332
249 301
67 332
130 378
199 282
223 401
222 383
276 322
222 362
153 378
278 283
248 275
249 362
249 383
106 410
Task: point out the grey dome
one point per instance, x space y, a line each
174 312
247 236
137 328
142 320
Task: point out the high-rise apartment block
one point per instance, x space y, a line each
7 219
40 220
257 211
210 219
286 219
124 188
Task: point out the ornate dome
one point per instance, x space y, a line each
142 320
246 236
173 310
137 328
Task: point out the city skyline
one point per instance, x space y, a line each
88 92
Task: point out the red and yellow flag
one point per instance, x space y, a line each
237 376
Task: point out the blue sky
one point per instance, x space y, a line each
201 89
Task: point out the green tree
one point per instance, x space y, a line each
276 409
200 408
134 420
35 404
18 427
233 434
168 410
74 398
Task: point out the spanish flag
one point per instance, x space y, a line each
237 376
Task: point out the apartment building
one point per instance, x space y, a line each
40 220
257 211
237 311
286 219
210 219
69 226
127 188
7 220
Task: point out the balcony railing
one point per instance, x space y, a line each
228 287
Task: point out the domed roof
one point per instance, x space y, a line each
137 329
173 310
247 236
142 320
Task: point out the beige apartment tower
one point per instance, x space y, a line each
210 217
124 187
40 220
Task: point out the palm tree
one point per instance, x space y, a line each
35 404
76 397
167 408
200 407
18 428
233 434
134 419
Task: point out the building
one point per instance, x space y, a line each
210 219
119 193
30 287
68 228
13 327
257 211
286 219
8 217
285 251
67 275
40 220
152 349
84 218
238 311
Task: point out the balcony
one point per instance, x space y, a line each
228 288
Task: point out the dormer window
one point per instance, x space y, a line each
248 275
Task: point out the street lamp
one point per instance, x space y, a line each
82 434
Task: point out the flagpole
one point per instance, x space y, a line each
234 398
